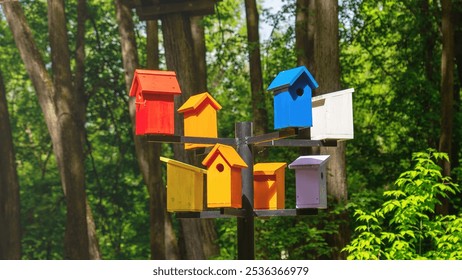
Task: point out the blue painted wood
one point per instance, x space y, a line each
292 91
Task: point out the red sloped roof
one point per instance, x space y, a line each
154 82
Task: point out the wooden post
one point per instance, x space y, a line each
245 225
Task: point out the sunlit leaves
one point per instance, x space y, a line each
406 226
389 55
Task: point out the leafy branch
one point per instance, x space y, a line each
406 226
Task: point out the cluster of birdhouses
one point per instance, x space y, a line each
186 188
330 115
190 188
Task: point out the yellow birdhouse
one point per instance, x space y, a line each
185 186
200 118
269 185
224 181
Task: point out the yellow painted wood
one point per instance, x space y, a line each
200 118
219 184
185 186
269 185
233 159
194 102
224 180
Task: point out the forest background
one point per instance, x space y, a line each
75 183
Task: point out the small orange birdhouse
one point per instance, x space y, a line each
185 186
224 180
200 118
269 185
154 92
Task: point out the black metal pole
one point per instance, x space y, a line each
245 225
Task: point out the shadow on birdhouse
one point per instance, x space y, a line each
292 91
154 92
200 118
224 180
310 181
185 186
269 185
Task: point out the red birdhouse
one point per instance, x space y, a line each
154 91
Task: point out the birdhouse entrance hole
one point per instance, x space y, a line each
220 167
299 91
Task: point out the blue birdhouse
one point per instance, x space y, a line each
292 91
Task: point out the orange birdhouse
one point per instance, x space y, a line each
269 183
185 186
224 180
154 92
200 118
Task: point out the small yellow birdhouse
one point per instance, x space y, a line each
224 180
185 186
200 118
269 185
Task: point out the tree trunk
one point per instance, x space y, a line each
152 44
197 239
10 233
260 115
79 75
79 85
457 9
446 91
162 237
328 76
158 198
429 40
304 33
72 168
458 38
198 38
318 46
206 226
58 102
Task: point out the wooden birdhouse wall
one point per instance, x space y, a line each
200 118
141 115
185 186
311 191
292 107
201 123
292 91
269 186
310 181
154 92
161 118
224 185
333 116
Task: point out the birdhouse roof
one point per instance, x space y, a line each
228 153
183 165
288 77
154 82
197 100
268 168
309 161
